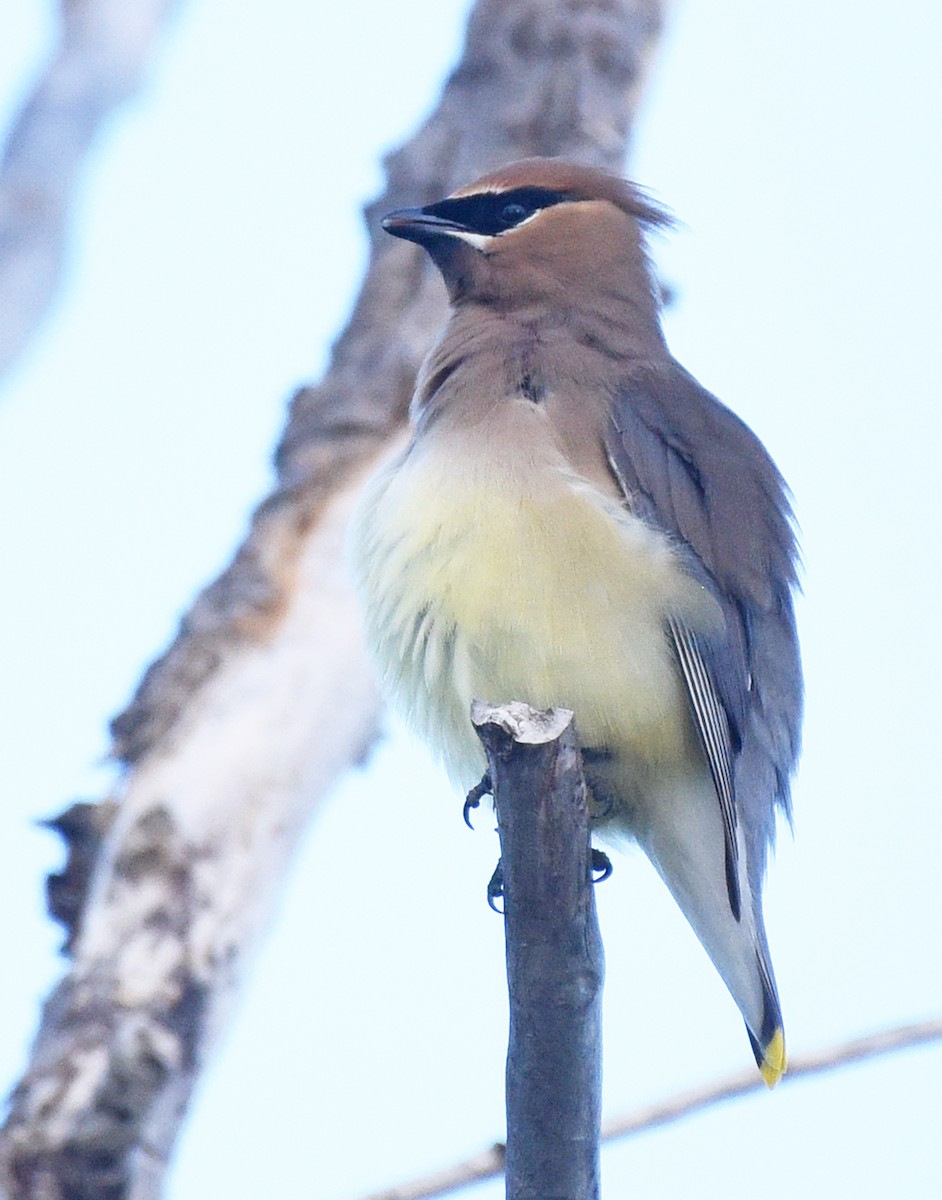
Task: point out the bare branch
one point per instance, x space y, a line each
484 1166
103 50
490 1163
266 697
799 1067
554 951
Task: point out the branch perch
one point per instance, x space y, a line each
555 962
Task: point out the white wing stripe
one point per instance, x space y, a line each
713 729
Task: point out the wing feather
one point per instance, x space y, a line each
712 726
691 468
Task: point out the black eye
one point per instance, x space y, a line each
513 214
492 213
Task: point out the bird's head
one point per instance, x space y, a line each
536 232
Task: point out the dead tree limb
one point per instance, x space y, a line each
265 697
103 50
555 963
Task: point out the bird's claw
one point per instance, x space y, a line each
600 866
473 798
495 888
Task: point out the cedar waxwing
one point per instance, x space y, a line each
577 522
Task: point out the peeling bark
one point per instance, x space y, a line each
266 696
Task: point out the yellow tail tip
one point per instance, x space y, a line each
773 1063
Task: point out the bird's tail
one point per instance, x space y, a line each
682 834
768 1045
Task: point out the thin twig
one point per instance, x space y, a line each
490 1164
799 1066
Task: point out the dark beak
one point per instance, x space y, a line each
416 225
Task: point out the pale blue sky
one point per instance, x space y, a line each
217 248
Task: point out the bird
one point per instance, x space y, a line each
577 522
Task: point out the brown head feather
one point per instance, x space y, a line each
575 180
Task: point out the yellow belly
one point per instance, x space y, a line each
505 577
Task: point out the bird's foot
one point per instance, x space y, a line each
495 888
600 866
473 798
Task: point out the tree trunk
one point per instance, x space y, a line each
266 697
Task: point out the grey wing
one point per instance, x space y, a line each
713 730
691 468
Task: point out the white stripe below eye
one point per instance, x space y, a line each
479 241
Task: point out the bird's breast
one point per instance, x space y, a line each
493 571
